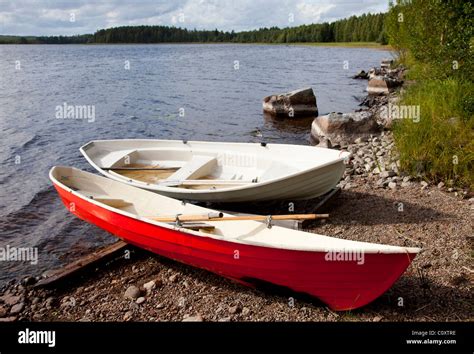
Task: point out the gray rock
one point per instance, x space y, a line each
392 185
361 75
344 126
296 103
382 85
386 174
132 293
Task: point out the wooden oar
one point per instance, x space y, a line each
220 217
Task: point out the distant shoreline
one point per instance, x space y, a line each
369 45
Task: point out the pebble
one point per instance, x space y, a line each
17 308
234 309
197 318
128 315
424 184
140 300
11 299
3 311
132 292
160 306
49 302
8 319
245 311
392 185
224 319
149 286
377 319
440 185
173 278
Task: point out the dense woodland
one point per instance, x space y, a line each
365 28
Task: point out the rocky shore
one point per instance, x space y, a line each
378 203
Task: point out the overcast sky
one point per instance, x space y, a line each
68 17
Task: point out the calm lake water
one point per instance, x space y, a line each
140 91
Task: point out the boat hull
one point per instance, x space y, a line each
342 285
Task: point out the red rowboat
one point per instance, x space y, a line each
343 274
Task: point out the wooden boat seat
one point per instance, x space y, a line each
198 166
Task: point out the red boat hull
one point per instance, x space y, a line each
342 285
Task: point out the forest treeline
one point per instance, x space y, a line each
364 28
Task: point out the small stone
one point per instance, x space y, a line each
392 185
173 278
424 184
16 309
10 299
234 309
186 284
132 292
358 141
347 186
377 319
440 185
406 178
406 184
245 311
387 174
197 318
160 306
224 319
128 315
49 302
8 319
149 286
140 300
3 311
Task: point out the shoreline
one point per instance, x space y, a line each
367 45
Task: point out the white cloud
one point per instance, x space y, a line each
52 17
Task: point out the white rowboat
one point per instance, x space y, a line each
218 172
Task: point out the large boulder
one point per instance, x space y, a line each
344 127
298 103
382 85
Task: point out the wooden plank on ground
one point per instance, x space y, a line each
81 263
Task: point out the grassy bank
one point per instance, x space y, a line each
434 40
